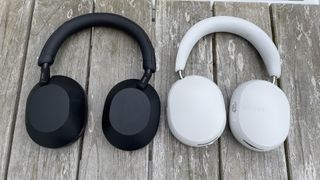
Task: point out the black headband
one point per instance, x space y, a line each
99 19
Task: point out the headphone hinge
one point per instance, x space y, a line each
45 74
274 80
180 73
145 79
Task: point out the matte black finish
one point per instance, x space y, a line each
56 113
79 23
131 115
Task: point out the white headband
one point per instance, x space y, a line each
249 31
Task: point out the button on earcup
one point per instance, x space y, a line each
56 113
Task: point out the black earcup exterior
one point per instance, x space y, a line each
56 113
131 115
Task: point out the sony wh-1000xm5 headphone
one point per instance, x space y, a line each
259 114
56 110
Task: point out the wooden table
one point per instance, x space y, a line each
98 58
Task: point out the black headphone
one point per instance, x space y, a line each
56 110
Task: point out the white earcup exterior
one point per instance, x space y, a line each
196 111
259 115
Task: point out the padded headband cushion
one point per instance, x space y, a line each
249 31
99 19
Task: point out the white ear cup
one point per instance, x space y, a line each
196 111
259 115
259 110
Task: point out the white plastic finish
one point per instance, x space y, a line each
196 111
249 31
259 115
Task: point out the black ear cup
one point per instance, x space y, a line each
131 115
56 113
56 110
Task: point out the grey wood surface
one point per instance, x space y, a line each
170 158
28 160
297 33
114 57
15 19
237 62
99 58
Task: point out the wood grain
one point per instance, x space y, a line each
237 62
171 159
15 21
114 57
29 160
100 58
297 33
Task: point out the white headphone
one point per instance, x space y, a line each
259 114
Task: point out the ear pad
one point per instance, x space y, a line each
56 113
196 111
259 115
131 115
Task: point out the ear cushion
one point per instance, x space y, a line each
131 115
196 111
259 115
56 113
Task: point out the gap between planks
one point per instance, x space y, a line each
151 147
19 84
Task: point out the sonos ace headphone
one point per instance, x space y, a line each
56 110
259 114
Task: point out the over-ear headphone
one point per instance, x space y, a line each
56 110
259 113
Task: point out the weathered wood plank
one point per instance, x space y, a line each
115 57
15 21
297 33
237 62
29 160
171 159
